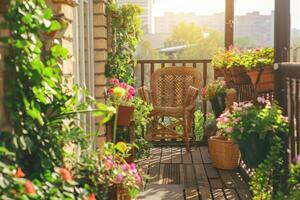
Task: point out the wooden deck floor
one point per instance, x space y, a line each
177 174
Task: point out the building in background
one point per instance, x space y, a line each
254 28
147 15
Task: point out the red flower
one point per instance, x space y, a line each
19 173
203 91
65 174
91 197
29 189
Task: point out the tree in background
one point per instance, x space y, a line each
146 51
202 42
243 42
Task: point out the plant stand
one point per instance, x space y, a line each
263 79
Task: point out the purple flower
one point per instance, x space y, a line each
120 178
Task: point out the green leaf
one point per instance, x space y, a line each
55 26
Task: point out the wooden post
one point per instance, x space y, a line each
282 30
229 26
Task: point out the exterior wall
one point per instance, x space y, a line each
100 51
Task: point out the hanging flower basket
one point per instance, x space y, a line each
239 76
218 105
224 153
262 79
125 115
254 149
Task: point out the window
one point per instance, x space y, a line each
84 54
254 23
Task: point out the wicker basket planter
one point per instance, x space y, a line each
125 115
262 79
224 153
239 76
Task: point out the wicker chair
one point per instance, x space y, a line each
173 94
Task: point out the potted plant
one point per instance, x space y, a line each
125 179
252 127
215 92
228 62
258 63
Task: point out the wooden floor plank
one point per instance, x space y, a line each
227 179
154 171
211 171
202 179
189 176
218 194
166 155
244 194
231 194
205 193
216 183
239 180
176 155
196 155
186 158
205 155
191 193
162 192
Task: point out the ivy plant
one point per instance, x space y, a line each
125 22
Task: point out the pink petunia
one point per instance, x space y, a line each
115 81
229 130
123 85
138 179
120 178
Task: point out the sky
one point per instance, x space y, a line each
208 7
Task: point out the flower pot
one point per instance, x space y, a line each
239 76
262 79
117 192
254 149
218 105
125 115
224 153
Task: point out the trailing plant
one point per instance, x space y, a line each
216 88
267 175
125 22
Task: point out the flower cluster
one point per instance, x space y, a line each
216 88
120 172
249 118
120 93
249 59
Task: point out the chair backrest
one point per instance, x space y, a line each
169 85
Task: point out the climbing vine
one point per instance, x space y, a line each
125 24
40 106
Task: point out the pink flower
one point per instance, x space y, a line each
129 96
237 120
138 179
229 130
124 167
286 119
108 164
132 166
110 91
261 100
120 178
115 81
123 85
131 90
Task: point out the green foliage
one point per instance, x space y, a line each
126 33
267 174
216 88
146 51
202 42
249 59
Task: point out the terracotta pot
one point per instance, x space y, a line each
125 115
262 79
224 153
239 76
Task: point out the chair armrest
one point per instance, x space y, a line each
190 99
145 94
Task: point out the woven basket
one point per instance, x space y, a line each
224 153
119 193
